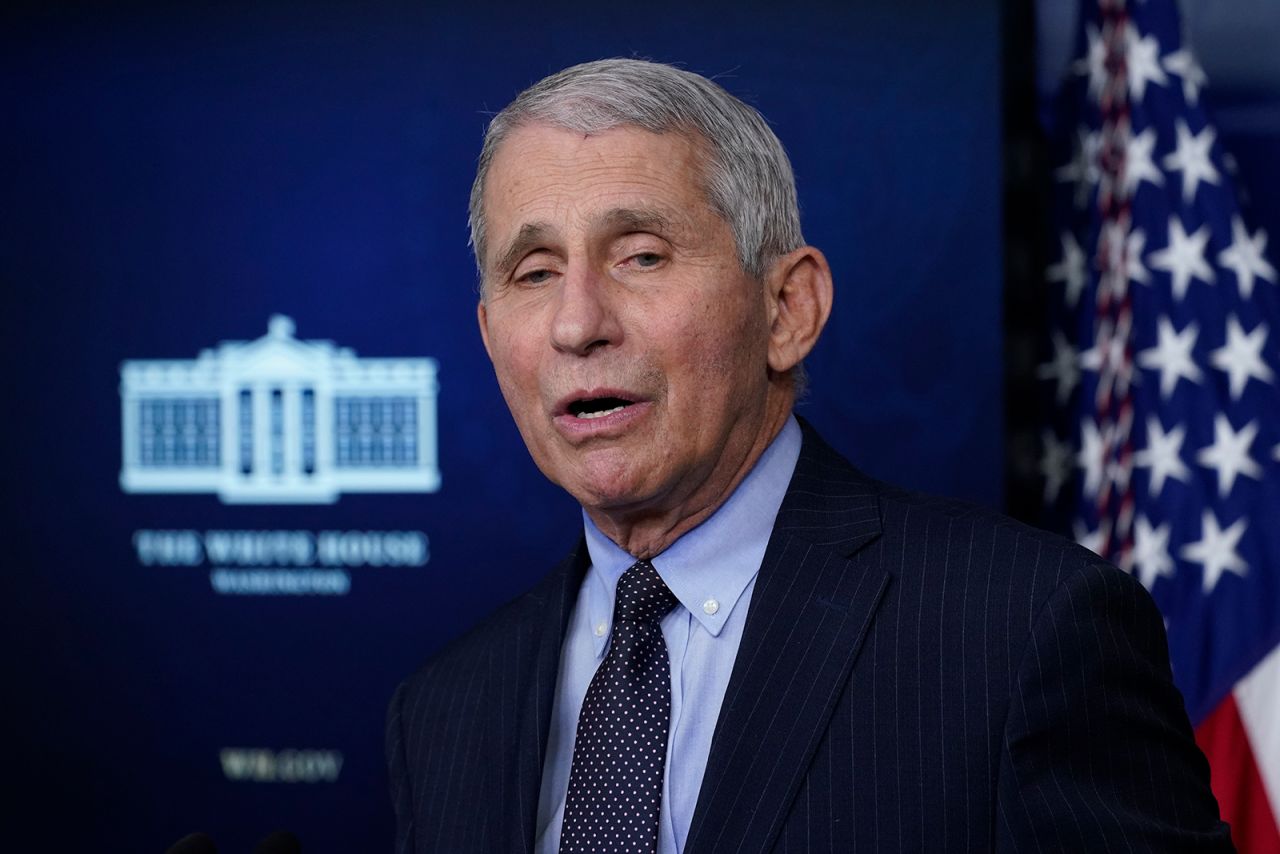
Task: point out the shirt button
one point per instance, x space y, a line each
710 606
600 630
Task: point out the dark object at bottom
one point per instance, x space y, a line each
280 842
194 843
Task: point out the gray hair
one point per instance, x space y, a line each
748 176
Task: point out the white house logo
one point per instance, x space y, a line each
279 420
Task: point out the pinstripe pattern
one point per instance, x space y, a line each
915 674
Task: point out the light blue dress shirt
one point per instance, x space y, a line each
712 571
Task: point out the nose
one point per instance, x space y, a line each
584 318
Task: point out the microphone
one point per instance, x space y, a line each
280 842
193 843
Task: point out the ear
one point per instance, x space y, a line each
799 291
482 317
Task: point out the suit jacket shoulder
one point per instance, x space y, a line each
922 674
466 734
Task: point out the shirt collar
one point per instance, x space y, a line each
710 567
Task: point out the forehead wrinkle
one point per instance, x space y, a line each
623 220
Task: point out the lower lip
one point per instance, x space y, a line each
613 424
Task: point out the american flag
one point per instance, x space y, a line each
1162 371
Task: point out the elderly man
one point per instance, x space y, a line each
755 647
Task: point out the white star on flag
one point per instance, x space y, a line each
1116 242
1183 257
1229 453
1216 550
1107 350
1082 169
1241 357
1091 540
1094 63
1151 552
1172 355
1142 61
1119 473
1070 270
1063 367
1138 166
1163 455
1191 156
1090 456
1184 65
1246 257
1134 246
1055 465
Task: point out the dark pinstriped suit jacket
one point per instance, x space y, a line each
915 675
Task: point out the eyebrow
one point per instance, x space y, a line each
529 235
615 220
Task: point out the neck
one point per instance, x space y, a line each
648 532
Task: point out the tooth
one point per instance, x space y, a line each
602 412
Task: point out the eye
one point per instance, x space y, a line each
647 259
534 277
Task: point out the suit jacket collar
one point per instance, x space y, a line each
532 669
829 502
810 610
813 603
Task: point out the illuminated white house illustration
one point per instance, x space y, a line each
279 420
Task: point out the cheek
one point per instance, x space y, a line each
714 372
727 342
510 348
516 373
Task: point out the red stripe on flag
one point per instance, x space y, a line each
1236 782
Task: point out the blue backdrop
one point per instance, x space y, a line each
175 178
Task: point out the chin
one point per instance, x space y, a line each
605 496
610 487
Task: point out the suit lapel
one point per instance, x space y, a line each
812 604
530 668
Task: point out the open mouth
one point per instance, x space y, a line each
598 407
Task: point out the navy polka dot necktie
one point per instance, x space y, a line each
615 782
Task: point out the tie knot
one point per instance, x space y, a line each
642 595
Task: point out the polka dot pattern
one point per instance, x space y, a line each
615 781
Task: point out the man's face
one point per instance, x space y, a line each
628 342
